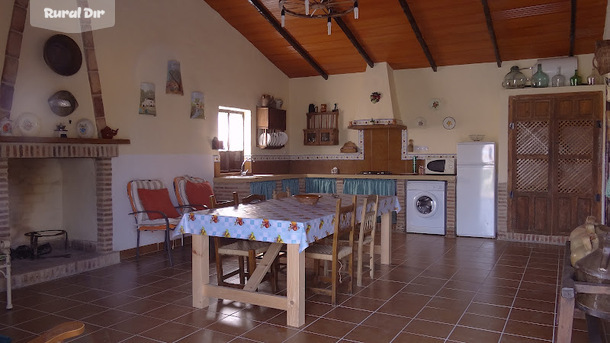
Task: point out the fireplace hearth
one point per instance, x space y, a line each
85 254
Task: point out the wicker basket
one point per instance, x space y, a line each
309 199
601 61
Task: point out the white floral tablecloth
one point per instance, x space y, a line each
282 220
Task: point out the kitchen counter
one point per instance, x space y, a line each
224 186
273 177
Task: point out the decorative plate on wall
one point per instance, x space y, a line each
28 124
434 104
85 128
449 123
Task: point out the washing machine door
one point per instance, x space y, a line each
425 205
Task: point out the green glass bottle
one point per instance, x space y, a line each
540 79
575 80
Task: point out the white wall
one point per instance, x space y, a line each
215 59
471 94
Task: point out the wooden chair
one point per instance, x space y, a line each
239 247
60 332
345 219
281 195
153 210
368 223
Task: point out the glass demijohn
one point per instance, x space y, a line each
514 78
540 79
558 80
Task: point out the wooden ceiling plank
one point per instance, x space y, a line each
572 26
418 35
271 19
492 32
354 41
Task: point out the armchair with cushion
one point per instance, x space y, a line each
153 210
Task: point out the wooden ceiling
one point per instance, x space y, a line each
418 33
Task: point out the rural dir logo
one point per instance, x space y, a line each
72 16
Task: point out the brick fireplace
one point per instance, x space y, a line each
100 150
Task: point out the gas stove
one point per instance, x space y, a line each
376 172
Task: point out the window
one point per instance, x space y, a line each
234 130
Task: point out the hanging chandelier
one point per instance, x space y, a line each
316 9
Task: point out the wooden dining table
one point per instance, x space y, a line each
278 221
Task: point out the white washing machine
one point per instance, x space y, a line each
426 207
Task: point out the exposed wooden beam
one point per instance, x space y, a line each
288 37
420 38
354 41
492 32
572 26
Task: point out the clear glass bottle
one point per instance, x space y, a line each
594 78
514 78
575 80
540 79
558 80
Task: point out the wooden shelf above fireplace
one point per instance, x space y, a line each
55 140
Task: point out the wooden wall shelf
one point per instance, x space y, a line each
322 128
377 126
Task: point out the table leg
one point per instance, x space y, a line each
201 269
296 286
386 237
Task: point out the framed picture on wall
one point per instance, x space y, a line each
197 110
147 99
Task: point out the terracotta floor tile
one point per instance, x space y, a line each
466 334
367 334
330 327
104 335
232 325
363 303
407 337
529 304
453 293
440 315
200 318
108 317
543 318
457 305
471 282
137 324
421 289
270 333
429 328
529 330
489 310
309 337
347 314
482 322
386 321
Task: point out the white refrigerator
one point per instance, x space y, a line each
476 189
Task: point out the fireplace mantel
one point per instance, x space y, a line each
21 139
49 147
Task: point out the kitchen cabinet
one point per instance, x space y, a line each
322 128
270 123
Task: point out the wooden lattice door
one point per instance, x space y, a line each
554 172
